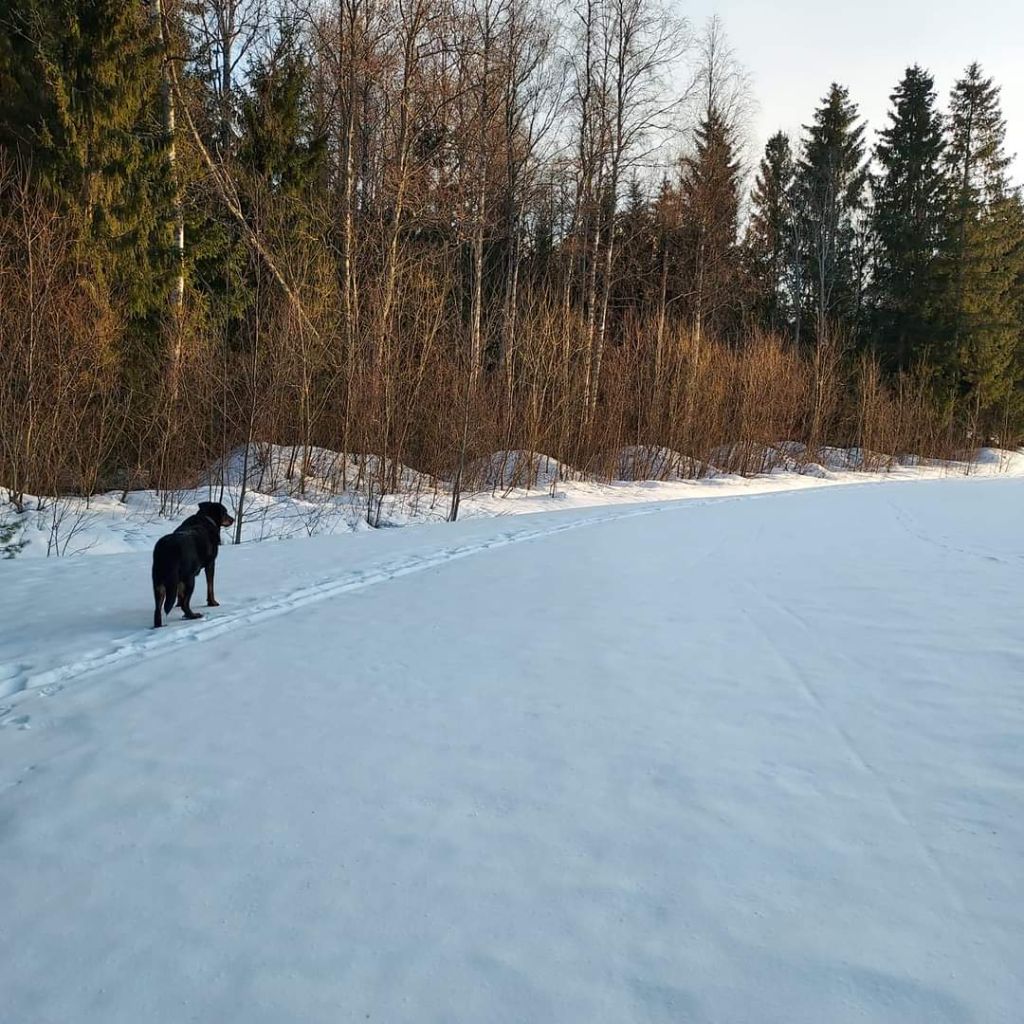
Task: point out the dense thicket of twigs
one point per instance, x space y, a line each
434 231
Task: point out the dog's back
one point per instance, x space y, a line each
204 535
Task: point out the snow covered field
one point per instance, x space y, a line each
719 761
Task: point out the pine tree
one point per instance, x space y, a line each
80 104
982 266
829 192
770 233
710 196
908 221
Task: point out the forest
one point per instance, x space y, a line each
424 231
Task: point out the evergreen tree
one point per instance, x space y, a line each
80 105
276 162
908 220
770 233
829 193
670 242
982 266
637 251
710 197
281 152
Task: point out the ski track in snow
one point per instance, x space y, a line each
943 544
18 678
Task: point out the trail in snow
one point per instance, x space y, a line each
33 666
15 678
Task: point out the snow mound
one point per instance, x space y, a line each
655 462
982 461
854 458
1000 460
752 458
511 470
291 470
354 493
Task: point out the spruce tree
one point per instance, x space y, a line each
670 241
277 159
829 192
983 260
80 105
908 221
710 196
637 251
280 151
770 233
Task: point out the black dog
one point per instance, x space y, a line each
178 557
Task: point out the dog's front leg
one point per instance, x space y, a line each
211 601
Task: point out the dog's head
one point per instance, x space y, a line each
216 512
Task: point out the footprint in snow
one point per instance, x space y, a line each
12 679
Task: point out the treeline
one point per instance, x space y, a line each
430 230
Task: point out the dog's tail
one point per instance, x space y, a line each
165 580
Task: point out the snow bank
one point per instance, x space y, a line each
751 458
297 470
516 469
342 493
655 462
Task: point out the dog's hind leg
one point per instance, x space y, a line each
185 599
159 594
211 601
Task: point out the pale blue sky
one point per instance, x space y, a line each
795 48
